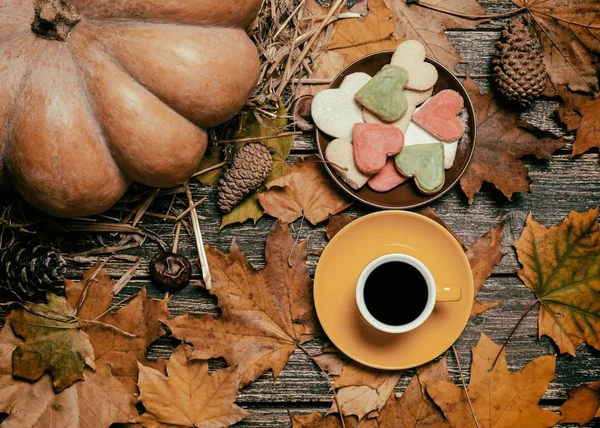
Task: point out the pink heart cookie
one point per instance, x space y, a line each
438 116
373 143
387 178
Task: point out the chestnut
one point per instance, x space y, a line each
170 271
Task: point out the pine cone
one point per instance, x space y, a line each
29 269
520 73
250 167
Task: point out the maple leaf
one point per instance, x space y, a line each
501 143
415 22
484 255
320 420
356 38
99 401
583 404
589 127
264 313
305 191
499 398
140 317
569 31
195 397
54 342
561 265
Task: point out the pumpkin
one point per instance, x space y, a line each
96 94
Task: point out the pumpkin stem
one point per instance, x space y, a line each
55 19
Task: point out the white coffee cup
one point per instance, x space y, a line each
446 293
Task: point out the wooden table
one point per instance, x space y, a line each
558 186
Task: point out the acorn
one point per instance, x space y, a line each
170 271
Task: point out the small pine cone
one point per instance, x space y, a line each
29 269
250 167
520 74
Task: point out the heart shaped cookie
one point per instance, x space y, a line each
384 95
341 155
425 162
416 135
410 55
438 116
414 98
354 82
387 178
373 143
335 112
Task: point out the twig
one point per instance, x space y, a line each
159 215
335 8
187 210
289 261
466 16
127 276
176 238
199 243
308 81
89 280
289 18
511 333
104 250
247 139
144 206
210 168
464 385
335 397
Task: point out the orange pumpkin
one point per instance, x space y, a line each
95 94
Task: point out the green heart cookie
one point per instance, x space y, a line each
384 95
425 162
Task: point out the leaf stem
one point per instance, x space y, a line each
289 260
511 333
466 16
464 385
88 282
109 326
335 398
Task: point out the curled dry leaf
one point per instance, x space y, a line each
305 191
139 317
484 255
319 420
583 404
501 143
98 401
499 397
264 313
54 343
561 265
337 223
412 21
195 397
569 31
588 128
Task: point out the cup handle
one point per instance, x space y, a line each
448 293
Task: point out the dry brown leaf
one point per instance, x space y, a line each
415 22
561 266
500 398
264 313
320 420
356 38
583 404
501 143
568 111
433 215
304 191
140 317
98 401
484 255
195 397
588 132
337 223
569 31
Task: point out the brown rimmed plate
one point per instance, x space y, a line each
407 196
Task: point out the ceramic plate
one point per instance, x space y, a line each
407 196
352 249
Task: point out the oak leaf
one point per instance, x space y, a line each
583 404
264 313
305 191
356 38
413 21
499 398
501 143
139 317
484 255
561 265
99 401
189 396
54 342
569 31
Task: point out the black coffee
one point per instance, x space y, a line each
395 293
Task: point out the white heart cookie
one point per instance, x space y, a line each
354 82
341 154
335 112
416 135
411 56
414 98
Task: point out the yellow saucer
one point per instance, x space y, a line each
352 249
